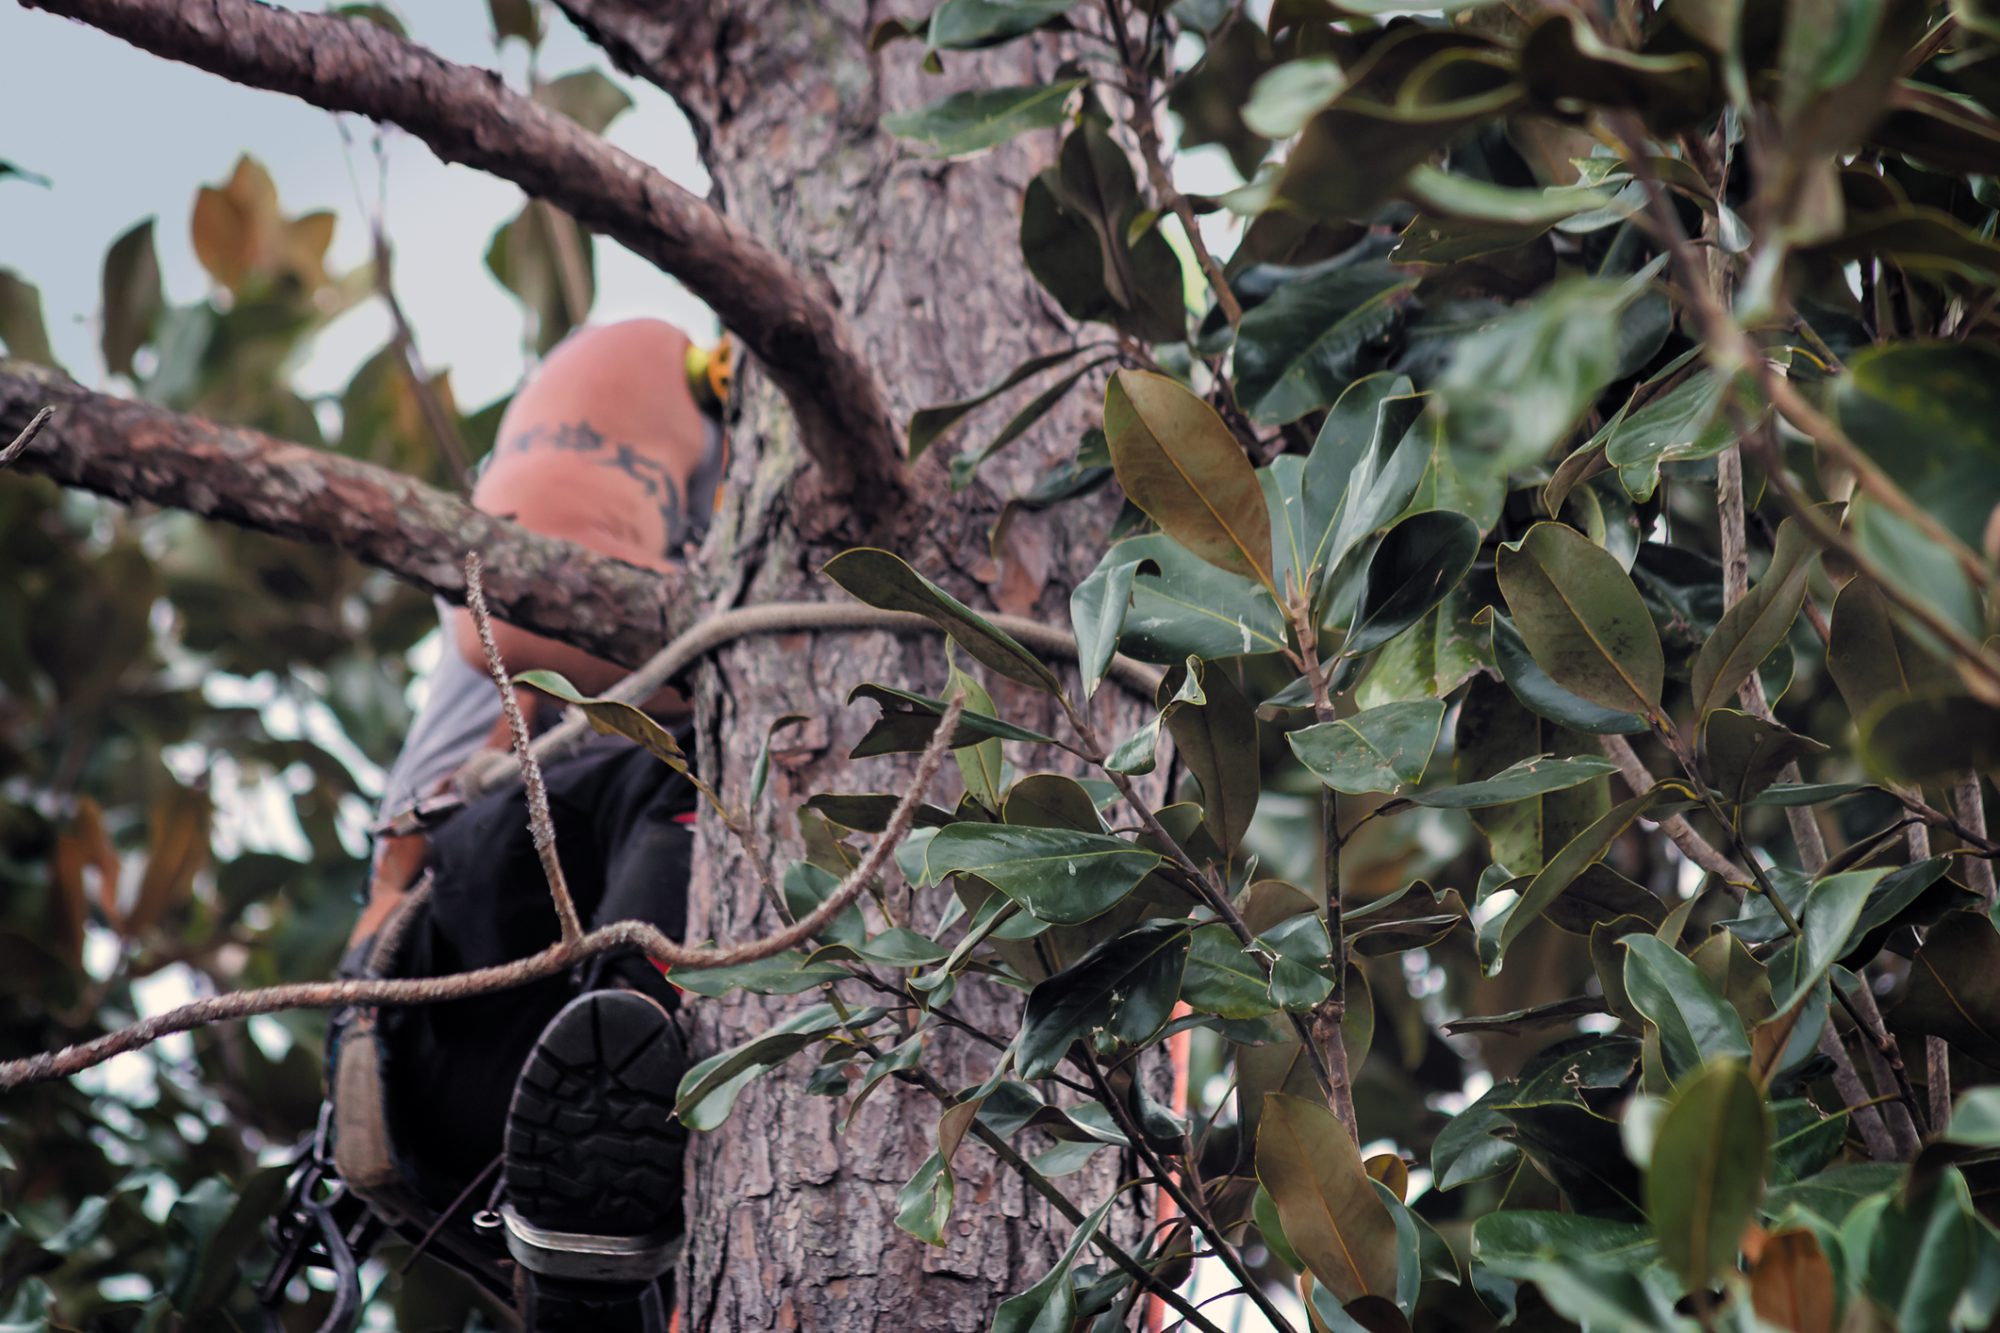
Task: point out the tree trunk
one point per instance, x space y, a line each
792 1224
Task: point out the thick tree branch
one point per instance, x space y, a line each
467 115
134 451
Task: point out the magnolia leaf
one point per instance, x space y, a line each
1751 629
1792 1285
1333 1218
1182 466
964 25
1582 619
133 300
1582 851
1954 986
1051 1303
1707 1171
708 1091
1871 657
1184 606
1746 753
1695 1024
928 423
1297 351
924 1205
1127 984
1217 739
1058 875
1382 749
885 581
1928 414
977 119
1419 560
1530 777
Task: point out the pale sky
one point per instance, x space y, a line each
122 134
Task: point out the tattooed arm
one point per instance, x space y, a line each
598 448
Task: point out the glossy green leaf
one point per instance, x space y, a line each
23 334
1563 869
1954 986
1925 1253
1543 697
1695 1024
1470 1146
1182 606
587 97
885 581
1933 736
1352 156
708 1091
1928 414
1285 98
909 720
1097 609
929 423
1518 1234
1382 749
1515 389
1684 423
1182 466
1223 977
133 300
977 119
1832 910
1707 1171
966 465
1127 984
1298 351
963 25
1058 875
608 717
1332 1216
1529 777
1582 620
1216 737
1745 753
1565 61
1419 560
1751 629
924 1205
983 766
1871 657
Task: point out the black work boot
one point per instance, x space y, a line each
593 1167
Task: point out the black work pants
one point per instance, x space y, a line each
624 843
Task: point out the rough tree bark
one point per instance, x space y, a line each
792 1224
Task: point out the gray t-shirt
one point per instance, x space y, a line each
459 714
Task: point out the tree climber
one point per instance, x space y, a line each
554 1098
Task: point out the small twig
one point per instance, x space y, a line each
1191 1205
1905 1116
27 436
1972 814
1806 835
629 936
437 419
1693 846
540 823
1865 1111
1041 1185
